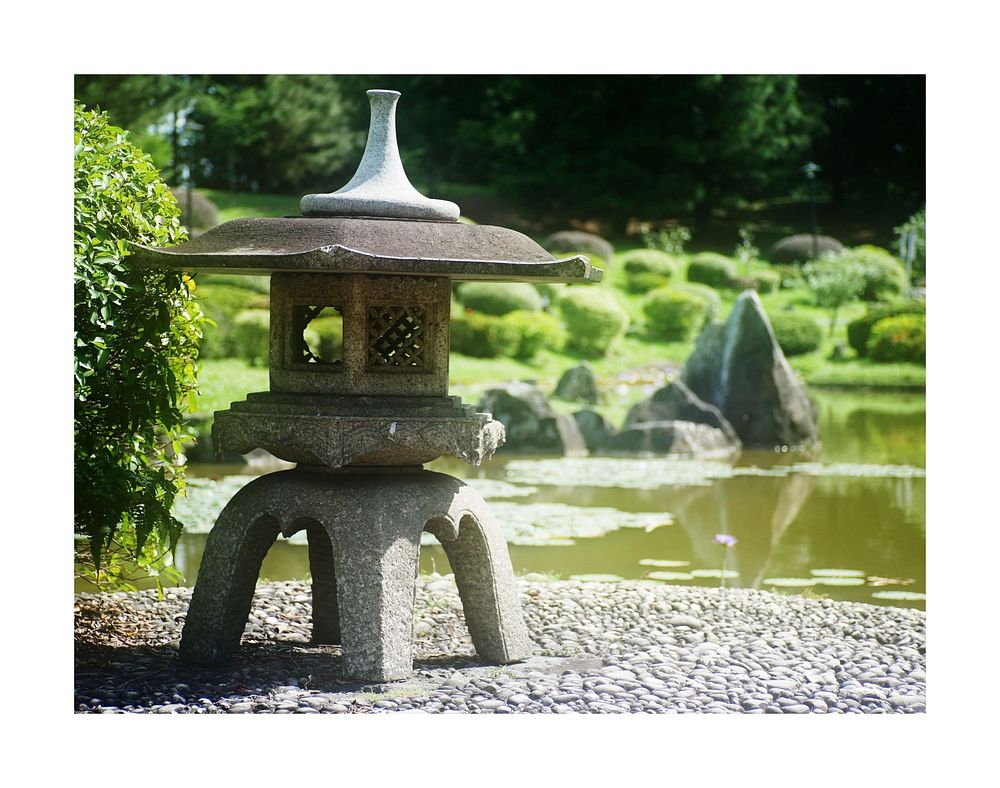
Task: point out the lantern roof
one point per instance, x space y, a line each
378 223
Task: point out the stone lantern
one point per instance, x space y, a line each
360 420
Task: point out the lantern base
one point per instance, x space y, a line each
335 431
364 541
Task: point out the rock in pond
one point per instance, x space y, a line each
530 422
673 437
676 402
740 369
578 384
596 429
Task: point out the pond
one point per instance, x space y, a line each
847 523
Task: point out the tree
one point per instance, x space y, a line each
834 282
136 334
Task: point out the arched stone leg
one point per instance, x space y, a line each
481 562
325 611
220 604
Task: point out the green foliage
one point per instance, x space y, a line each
593 318
136 335
670 239
916 224
674 315
221 303
884 275
765 281
858 331
746 252
706 293
646 269
536 330
483 336
899 339
714 270
499 298
797 334
326 334
250 334
834 282
789 276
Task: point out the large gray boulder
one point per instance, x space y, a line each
672 437
740 369
596 429
530 422
676 402
577 384
799 248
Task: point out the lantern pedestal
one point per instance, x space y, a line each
364 527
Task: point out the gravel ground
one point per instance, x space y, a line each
606 648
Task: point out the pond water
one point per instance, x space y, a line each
847 523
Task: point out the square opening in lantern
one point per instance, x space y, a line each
318 332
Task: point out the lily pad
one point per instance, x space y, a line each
856 470
841 581
670 576
493 489
836 572
716 573
662 562
790 582
899 595
596 578
630 473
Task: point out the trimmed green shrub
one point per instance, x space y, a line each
900 338
714 270
499 298
250 333
797 334
858 331
789 275
536 330
646 269
834 282
550 292
572 242
483 336
136 333
706 293
221 303
884 275
765 281
673 314
327 336
593 318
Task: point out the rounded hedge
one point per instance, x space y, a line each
859 331
708 294
714 270
884 275
796 334
250 334
578 242
221 303
899 339
136 335
499 298
674 315
765 281
483 336
535 330
646 269
593 319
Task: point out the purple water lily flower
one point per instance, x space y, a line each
725 539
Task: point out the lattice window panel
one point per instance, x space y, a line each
396 337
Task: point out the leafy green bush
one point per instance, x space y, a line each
250 334
765 280
789 275
706 293
797 334
499 298
714 270
900 338
834 282
568 243
884 275
646 269
593 318
136 334
221 303
483 336
326 334
535 330
858 331
673 314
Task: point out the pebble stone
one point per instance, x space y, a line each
602 648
